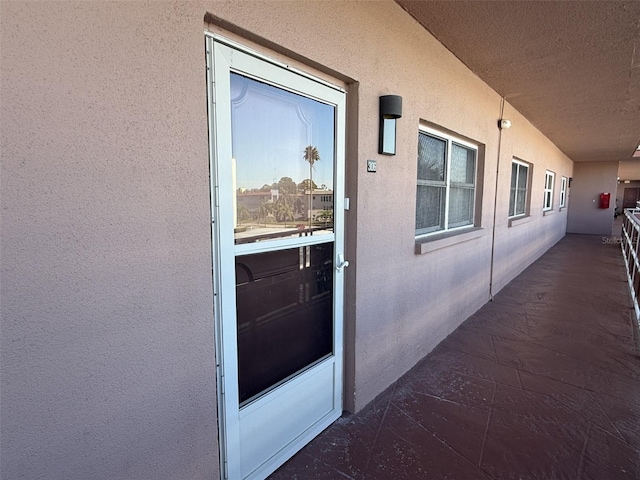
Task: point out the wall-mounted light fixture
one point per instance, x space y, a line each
504 124
390 111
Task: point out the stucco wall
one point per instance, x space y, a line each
107 352
406 303
107 330
518 243
590 180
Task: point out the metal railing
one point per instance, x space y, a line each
630 251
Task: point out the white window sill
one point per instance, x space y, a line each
548 212
447 239
514 222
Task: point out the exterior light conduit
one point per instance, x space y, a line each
501 126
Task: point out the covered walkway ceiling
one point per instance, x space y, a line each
572 68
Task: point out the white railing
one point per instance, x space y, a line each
630 251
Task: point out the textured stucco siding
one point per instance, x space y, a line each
519 243
405 304
592 179
107 353
108 349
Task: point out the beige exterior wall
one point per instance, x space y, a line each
108 367
520 241
592 179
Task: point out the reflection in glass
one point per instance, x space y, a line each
430 208
513 192
460 206
430 196
284 314
462 179
463 165
431 158
283 154
518 197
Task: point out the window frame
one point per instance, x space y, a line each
548 190
563 192
450 139
527 198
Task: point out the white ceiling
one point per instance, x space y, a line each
571 67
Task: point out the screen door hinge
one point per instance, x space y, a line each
346 203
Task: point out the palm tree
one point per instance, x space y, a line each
312 156
265 210
283 210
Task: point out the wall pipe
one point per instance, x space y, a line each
495 204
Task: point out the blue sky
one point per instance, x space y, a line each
271 128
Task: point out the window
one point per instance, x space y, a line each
563 192
549 179
446 186
519 184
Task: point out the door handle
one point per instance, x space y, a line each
342 263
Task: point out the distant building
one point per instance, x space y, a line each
321 203
253 200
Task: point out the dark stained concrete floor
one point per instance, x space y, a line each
541 383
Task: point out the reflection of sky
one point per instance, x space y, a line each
271 128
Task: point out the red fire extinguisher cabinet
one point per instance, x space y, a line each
605 198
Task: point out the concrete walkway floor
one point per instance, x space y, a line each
541 383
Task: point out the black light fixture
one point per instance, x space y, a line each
390 111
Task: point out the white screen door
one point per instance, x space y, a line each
277 190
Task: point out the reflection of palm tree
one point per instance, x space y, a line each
312 156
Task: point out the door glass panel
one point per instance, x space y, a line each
283 152
284 307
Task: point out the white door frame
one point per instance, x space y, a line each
251 420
